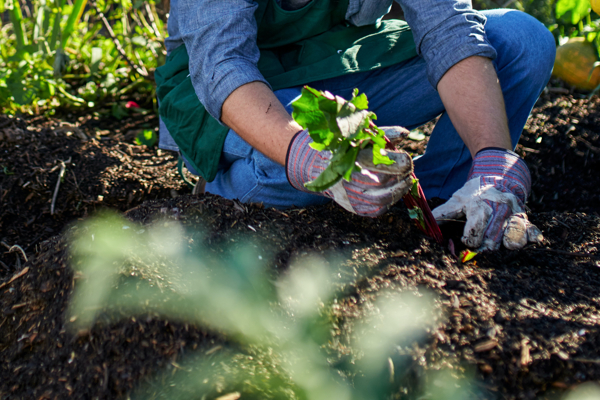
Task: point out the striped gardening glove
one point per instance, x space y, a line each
369 193
493 201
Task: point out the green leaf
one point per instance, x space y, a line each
414 190
118 111
318 146
352 122
343 163
342 127
73 20
379 158
324 181
19 92
575 9
6 171
96 59
360 101
467 255
147 137
417 215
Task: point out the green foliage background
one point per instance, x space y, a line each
63 54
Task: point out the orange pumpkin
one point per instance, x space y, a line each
595 6
574 64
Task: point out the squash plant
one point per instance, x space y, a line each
577 61
345 128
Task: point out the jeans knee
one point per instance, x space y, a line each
541 50
522 42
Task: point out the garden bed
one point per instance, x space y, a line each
523 324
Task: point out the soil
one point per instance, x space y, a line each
523 324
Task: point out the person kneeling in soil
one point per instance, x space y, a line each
235 66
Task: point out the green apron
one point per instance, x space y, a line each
296 47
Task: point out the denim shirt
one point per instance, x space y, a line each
220 37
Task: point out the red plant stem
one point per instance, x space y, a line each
432 229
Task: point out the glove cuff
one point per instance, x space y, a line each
299 153
499 149
492 163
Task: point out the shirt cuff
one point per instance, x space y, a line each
227 77
457 38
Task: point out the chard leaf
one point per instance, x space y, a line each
345 164
308 115
352 123
359 101
318 146
324 181
342 127
380 156
414 190
417 215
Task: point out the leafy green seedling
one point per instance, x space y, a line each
6 171
345 128
146 137
342 127
467 255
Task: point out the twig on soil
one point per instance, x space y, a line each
4 265
75 179
586 360
566 253
140 70
584 296
525 353
558 90
61 174
17 247
485 346
15 277
587 144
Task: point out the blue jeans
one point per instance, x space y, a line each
402 95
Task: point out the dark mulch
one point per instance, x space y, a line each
525 323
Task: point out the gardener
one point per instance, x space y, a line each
235 66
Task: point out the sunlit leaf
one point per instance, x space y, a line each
467 255
341 127
147 137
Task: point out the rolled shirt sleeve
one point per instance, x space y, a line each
446 32
220 37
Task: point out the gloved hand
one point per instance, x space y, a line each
395 134
369 193
493 200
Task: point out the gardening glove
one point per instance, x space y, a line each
493 201
395 134
369 193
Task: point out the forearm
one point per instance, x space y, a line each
473 99
256 115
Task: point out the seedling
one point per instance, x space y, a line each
146 137
345 128
467 255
